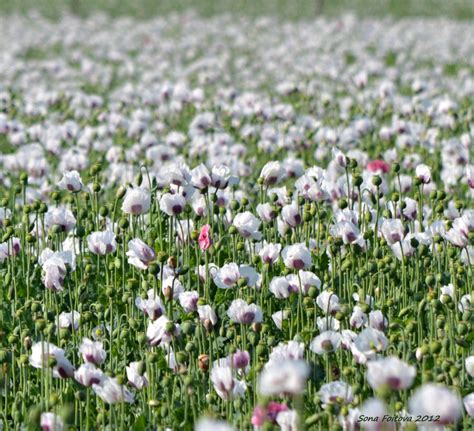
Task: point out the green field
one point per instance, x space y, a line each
294 9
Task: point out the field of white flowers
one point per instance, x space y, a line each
236 223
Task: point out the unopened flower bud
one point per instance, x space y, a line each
203 362
376 180
172 262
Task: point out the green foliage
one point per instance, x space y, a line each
289 9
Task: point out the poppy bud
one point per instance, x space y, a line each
435 347
190 347
123 223
40 324
445 299
187 327
27 342
139 179
162 256
120 192
181 357
203 362
141 338
121 379
342 203
376 180
172 262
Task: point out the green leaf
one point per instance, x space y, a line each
139 424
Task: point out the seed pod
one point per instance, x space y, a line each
123 223
357 180
404 312
261 349
435 347
342 203
410 327
311 420
376 180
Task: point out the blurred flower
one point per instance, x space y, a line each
423 173
240 359
152 306
337 392
139 254
272 173
61 217
326 342
468 402
102 243
371 341
136 375
51 422
288 420
87 374
69 320
188 300
392 230
283 378
136 201
270 253
205 424
247 225
111 392
161 331
378 166
296 256
376 409
92 351
241 312
226 386
172 204
391 372
200 177
436 400
41 354
328 302
469 364
205 239
71 181
207 314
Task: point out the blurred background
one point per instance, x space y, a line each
288 9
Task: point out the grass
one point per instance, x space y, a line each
293 9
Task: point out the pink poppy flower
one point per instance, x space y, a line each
378 165
259 416
204 239
273 409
